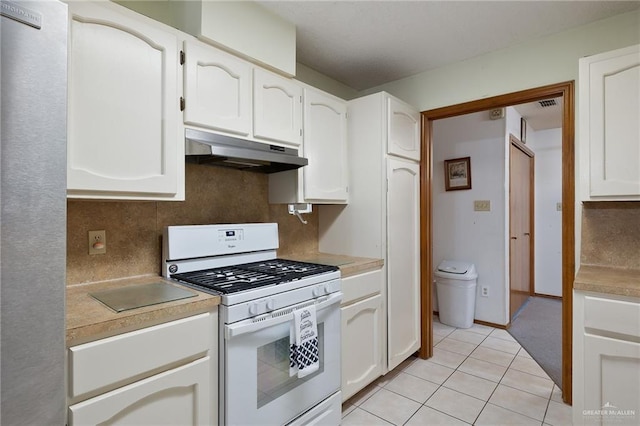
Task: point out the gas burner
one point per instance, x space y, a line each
250 276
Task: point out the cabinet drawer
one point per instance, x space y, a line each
360 286
119 360
616 316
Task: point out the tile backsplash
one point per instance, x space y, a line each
611 234
134 229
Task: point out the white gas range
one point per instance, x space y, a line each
260 295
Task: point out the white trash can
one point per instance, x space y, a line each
456 289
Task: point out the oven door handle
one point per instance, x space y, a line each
276 317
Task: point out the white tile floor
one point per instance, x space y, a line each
478 376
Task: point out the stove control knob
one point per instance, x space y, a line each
253 308
317 291
271 305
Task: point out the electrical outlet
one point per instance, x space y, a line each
97 242
559 207
482 205
484 291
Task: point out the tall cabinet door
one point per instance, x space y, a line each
610 107
325 144
124 118
217 89
403 257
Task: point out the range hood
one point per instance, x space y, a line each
219 150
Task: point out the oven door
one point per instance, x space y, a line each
258 389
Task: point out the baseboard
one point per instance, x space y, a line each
488 324
548 296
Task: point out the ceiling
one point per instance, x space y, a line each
363 44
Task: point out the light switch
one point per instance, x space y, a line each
482 205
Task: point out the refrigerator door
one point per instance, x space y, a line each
33 97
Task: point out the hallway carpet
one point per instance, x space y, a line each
538 328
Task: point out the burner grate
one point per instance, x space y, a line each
253 275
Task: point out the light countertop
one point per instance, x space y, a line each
349 265
608 280
88 319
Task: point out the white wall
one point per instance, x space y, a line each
547 145
538 62
459 232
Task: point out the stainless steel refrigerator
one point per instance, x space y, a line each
33 203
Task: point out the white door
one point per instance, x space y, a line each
176 397
362 328
609 125
124 115
403 257
404 130
217 89
325 146
277 108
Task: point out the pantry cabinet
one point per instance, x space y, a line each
125 138
606 354
165 374
403 129
217 89
609 95
325 179
363 334
382 217
277 108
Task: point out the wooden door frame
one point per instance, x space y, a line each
517 143
567 91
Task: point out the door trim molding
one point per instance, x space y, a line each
567 91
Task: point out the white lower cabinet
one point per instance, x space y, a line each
606 354
180 396
161 375
363 336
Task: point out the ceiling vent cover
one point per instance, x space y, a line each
548 103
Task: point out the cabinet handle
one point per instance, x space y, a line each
514 238
527 234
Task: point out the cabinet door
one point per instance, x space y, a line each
124 136
217 89
325 146
362 344
404 130
403 257
609 129
176 397
277 108
611 379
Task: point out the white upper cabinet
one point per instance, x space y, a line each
404 130
217 89
277 108
325 179
125 136
325 145
609 90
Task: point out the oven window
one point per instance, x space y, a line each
273 368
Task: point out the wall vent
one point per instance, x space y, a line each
548 103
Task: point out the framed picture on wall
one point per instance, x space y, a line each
457 173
